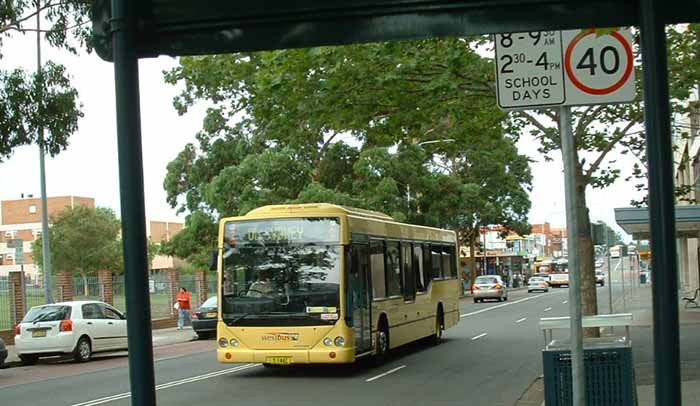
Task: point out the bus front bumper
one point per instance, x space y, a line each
328 355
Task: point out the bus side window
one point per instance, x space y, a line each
377 265
427 268
418 267
448 267
436 253
393 269
409 281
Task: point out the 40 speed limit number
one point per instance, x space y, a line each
599 66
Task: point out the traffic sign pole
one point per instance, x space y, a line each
568 147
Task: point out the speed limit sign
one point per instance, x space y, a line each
599 68
564 68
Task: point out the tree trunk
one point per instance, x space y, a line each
589 297
472 260
85 284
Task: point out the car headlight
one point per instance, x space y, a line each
339 341
223 343
234 342
327 341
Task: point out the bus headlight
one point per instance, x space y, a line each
339 341
234 342
223 343
327 341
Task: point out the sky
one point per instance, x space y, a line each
89 168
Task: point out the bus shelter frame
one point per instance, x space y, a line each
130 37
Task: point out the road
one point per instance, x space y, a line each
490 358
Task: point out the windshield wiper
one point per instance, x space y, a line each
43 317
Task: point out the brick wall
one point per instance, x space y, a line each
107 283
173 288
202 287
64 285
18 304
24 211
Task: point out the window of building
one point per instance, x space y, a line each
393 269
32 209
377 264
10 234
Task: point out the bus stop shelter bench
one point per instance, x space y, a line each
693 300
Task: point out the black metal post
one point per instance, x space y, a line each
661 205
126 79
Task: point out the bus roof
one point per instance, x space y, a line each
319 208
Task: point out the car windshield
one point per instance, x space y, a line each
536 279
211 302
486 280
281 272
47 313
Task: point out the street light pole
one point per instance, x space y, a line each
45 239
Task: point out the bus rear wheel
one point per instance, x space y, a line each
439 328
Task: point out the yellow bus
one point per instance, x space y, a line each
319 283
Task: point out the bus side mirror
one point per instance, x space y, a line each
214 262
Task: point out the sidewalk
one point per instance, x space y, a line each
161 337
639 303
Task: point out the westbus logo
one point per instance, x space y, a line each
275 337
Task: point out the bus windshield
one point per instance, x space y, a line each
282 272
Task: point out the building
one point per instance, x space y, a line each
21 221
635 221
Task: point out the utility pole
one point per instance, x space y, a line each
568 146
45 240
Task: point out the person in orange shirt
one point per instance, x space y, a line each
183 306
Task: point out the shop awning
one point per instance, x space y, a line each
635 221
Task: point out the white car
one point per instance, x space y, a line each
537 283
78 329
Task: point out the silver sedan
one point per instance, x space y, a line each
489 287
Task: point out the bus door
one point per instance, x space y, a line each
360 289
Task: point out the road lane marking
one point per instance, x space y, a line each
501 305
521 320
374 378
565 302
547 309
167 385
479 336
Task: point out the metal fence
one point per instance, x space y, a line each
5 306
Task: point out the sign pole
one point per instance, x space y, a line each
568 146
607 264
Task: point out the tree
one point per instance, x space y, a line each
83 241
402 128
43 99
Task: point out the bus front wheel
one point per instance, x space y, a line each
382 347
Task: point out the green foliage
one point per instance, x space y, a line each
406 128
83 241
45 99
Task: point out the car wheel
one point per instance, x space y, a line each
529 291
505 299
28 359
83 350
476 300
546 290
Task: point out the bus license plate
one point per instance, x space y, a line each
278 360
39 333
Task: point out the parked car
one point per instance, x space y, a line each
3 353
489 287
204 318
78 329
600 278
537 283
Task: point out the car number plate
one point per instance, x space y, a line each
211 314
278 360
39 333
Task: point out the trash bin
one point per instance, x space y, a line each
608 364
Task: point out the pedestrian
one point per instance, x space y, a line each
183 307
